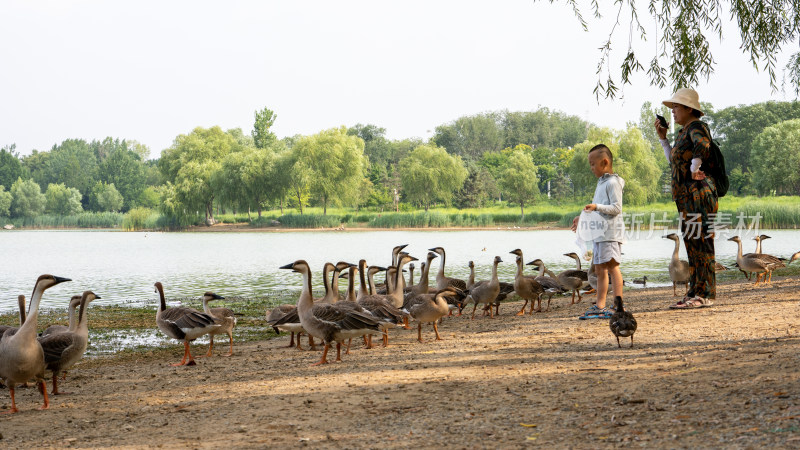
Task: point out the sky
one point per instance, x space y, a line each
152 70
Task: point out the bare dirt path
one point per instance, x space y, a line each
725 376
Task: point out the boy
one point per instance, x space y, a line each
606 250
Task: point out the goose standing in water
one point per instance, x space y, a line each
21 355
74 302
12 329
679 269
63 350
225 318
184 324
331 323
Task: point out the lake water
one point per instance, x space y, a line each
121 267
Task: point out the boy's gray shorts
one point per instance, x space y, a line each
603 252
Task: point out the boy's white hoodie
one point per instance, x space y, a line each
608 198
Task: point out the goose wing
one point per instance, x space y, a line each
343 317
54 346
381 309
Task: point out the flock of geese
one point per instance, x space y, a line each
756 264
336 319
370 310
26 355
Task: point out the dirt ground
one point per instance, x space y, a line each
725 376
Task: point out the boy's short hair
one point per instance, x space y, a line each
605 151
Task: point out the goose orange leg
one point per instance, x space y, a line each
186 354
230 340
324 359
43 390
522 311
419 332
436 330
210 347
13 409
338 352
55 386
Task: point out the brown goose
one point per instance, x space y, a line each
795 256
679 269
574 279
183 323
21 355
443 282
329 322
74 302
225 318
388 285
429 308
754 262
550 285
12 329
383 308
526 287
63 350
485 291
777 263
280 312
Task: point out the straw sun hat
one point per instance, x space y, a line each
686 97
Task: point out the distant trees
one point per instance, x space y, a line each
518 177
61 200
430 174
10 166
28 200
776 158
5 201
106 197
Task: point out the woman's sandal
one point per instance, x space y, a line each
692 303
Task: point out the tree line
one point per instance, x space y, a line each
471 162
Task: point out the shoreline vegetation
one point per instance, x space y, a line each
765 213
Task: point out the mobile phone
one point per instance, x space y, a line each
662 121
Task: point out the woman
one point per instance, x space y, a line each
695 194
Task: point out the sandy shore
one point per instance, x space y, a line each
725 376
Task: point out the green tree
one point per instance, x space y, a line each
149 198
189 164
429 174
776 154
479 187
542 128
471 136
262 136
296 176
336 164
10 165
36 164
140 149
736 128
61 200
5 201
28 200
73 163
123 168
683 53
518 178
107 197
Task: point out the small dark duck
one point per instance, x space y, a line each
622 323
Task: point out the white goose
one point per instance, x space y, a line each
21 355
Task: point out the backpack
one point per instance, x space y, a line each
715 165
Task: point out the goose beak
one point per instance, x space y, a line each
532 263
218 297
61 279
287 266
97 296
499 260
